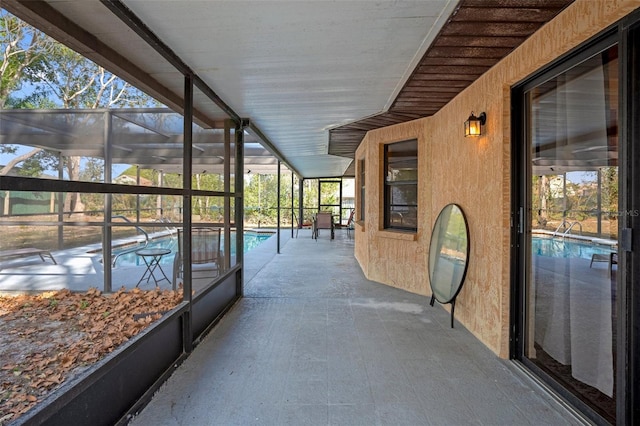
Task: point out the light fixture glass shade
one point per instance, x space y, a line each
473 125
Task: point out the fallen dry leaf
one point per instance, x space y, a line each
48 338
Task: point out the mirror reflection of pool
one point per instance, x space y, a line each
567 248
126 257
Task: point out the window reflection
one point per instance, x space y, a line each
401 185
573 139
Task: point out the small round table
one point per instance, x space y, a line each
152 259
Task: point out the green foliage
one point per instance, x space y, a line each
37 164
93 170
24 51
261 201
330 193
69 80
38 72
610 190
579 201
34 100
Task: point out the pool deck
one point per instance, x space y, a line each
77 270
313 342
81 268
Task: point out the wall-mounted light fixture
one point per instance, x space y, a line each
473 125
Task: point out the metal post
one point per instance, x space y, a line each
239 208
159 197
300 202
340 208
227 196
599 202
292 205
61 196
278 212
186 208
564 196
137 195
108 207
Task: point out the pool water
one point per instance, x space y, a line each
566 248
131 259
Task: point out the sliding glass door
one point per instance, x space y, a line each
568 248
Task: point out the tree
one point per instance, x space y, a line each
24 50
58 77
81 84
610 191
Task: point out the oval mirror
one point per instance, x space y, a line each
448 255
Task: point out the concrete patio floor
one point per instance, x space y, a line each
313 342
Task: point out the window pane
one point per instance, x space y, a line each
404 195
361 201
401 188
402 161
403 217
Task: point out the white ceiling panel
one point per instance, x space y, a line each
299 68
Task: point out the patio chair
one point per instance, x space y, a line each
205 251
350 222
306 224
611 259
323 220
26 252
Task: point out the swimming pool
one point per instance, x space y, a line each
567 248
126 257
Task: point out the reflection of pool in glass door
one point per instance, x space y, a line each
570 316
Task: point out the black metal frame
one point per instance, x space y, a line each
626 34
387 189
120 385
452 300
330 206
628 410
361 184
124 382
105 394
211 304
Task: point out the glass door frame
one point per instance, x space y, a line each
330 207
629 409
626 34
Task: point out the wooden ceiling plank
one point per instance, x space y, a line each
431 90
488 62
503 14
431 83
478 35
460 70
472 52
498 29
469 41
518 4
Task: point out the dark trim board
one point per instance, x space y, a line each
107 392
209 307
119 386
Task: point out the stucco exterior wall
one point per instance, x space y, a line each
472 172
386 256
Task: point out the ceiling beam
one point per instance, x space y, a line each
132 21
